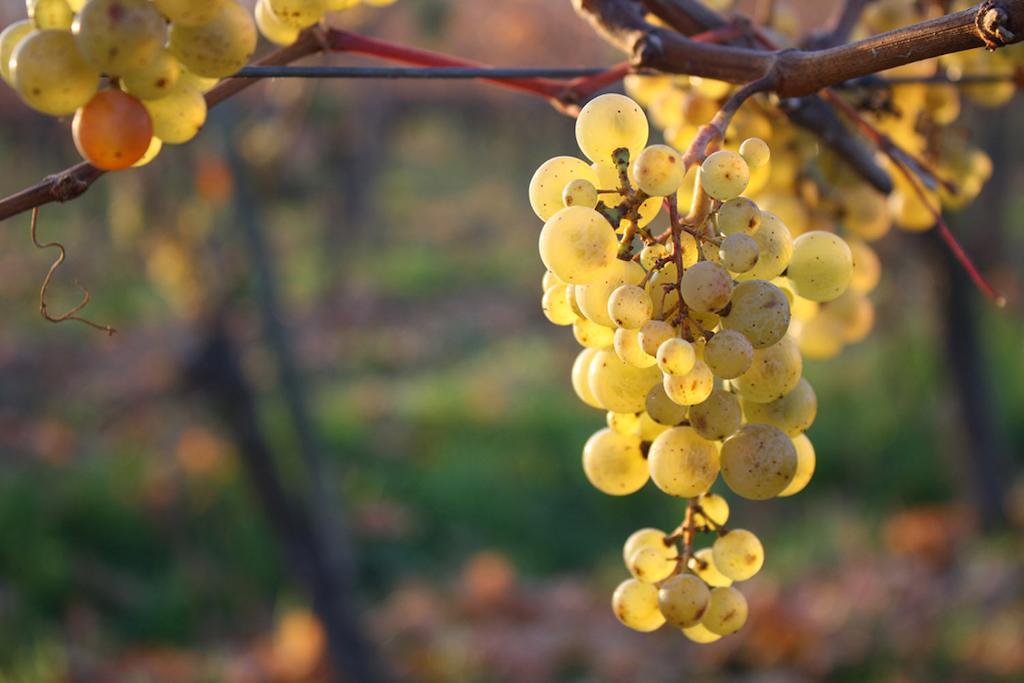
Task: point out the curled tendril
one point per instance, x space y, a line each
43 310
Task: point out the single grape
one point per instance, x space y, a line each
760 311
298 13
758 462
580 192
676 356
610 122
794 413
651 254
49 73
549 181
556 306
738 554
593 296
774 248
659 170
625 424
618 386
9 39
683 599
692 388
179 115
651 565
703 565
112 131
774 372
714 508
699 633
155 81
728 354
636 605
682 462
724 175
627 347
738 215
120 37
706 287
821 265
805 462
653 334
549 280
614 463
577 244
592 335
272 27
739 252
581 377
629 306
648 538
189 12
755 152
218 48
727 611
55 14
718 416
662 409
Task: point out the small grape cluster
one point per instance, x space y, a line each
685 346
134 72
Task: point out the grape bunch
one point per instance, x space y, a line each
687 345
134 72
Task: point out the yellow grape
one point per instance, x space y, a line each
651 565
653 334
609 122
821 265
699 633
549 182
755 152
120 37
651 254
649 430
718 416
593 297
739 252
625 424
724 175
676 356
49 73
662 409
683 599
50 13
738 215
614 463
272 28
738 554
189 12
648 538
854 316
805 462
727 611
636 605
592 335
774 372
581 377
608 177
774 246
335 5
155 145
155 81
682 462
867 269
556 306
298 13
713 508
629 306
580 192
820 337
758 462
200 83
178 116
692 388
627 347
703 565
760 311
706 287
218 48
577 244
658 170
9 39
549 280
728 354
794 413
618 386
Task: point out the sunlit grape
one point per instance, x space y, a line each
774 372
821 265
580 192
755 152
658 170
724 175
653 334
627 347
774 247
699 634
112 131
298 13
9 39
793 413
120 37
49 73
683 599
662 409
636 605
682 462
218 48
648 538
556 306
609 122
726 612
706 287
692 388
619 386
577 244
629 306
614 463
805 462
152 151
550 180
580 377
178 116
760 311
676 356
703 565
154 81
867 269
758 462
272 27
738 215
625 424
651 565
590 334
594 295
651 254
728 354
738 554
718 416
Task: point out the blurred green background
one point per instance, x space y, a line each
385 228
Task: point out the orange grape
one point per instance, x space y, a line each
112 131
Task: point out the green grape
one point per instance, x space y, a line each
738 215
653 334
724 175
581 377
706 287
9 39
805 462
55 14
864 211
676 356
867 269
178 116
593 297
625 424
760 311
758 462
692 388
610 122
618 386
699 633
189 12
821 265
155 81
120 37
713 508
728 354
727 611
774 372
556 306
659 170
592 335
627 347
272 28
648 538
703 565
662 409
629 306
549 181
774 246
718 416
49 73
298 13
636 605
580 192
755 152
739 252
738 554
651 254
577 244
794 413
649 430
549 280
683 599
682 462
614 463
219 47
650 565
